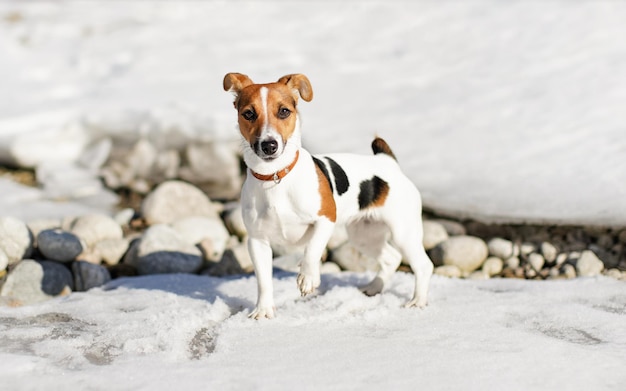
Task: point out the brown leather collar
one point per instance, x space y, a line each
278 175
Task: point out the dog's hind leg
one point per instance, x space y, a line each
409 242
370 237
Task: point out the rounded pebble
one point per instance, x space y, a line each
174 200
466 252
16 239
434 233
589 265
96 227
87 275
59 245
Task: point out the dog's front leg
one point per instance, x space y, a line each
309 276
261 254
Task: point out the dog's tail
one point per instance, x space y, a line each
380 146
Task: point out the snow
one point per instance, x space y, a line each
191 331
498 111
501 112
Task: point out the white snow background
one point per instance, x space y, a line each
505 111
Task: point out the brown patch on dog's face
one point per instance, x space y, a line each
263 106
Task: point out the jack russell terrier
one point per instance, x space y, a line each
293 198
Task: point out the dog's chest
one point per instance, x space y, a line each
276 216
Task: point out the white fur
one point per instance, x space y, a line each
287 213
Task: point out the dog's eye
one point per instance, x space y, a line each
284 113
249 115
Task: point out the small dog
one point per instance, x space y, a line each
291 197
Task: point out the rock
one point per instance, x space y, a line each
124 216
501 248
536 261
478 275
549 252
351 259
589 264
111 251
614 273
450 271
93 228
59 245
621 237
529 272
561 259
196 229
88 275
23 283
175 200
330 268
4 262
290 263
512 262
16 240
605 240
233 219
526 249
235 260
57 278
466 252
162 250
453 228
39 225
493 266
214 167
569 271
434 233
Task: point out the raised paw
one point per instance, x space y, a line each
263 312
307 283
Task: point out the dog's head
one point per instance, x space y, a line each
267 113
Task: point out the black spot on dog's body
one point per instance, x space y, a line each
341 179
373 192
320 164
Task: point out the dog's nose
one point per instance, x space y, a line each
269 147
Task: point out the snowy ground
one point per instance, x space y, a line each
191 332
502 111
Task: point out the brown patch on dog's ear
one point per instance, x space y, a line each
235 82
299 83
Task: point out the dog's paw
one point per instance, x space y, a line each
374 287
416 302
308 283
263 312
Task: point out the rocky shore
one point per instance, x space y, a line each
177 228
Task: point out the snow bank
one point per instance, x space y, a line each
190 332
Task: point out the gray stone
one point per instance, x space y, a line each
16 239
493 266
478 275
613 273
549 252
235 260
605 240
93 228
56 278
527 248
501 248
434 233
59 245
162 250
174 200
589 264
450 271
512 262
621 237
196 229
87 275
466 252
569 271
111 251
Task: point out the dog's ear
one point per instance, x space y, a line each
235 82
299 83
